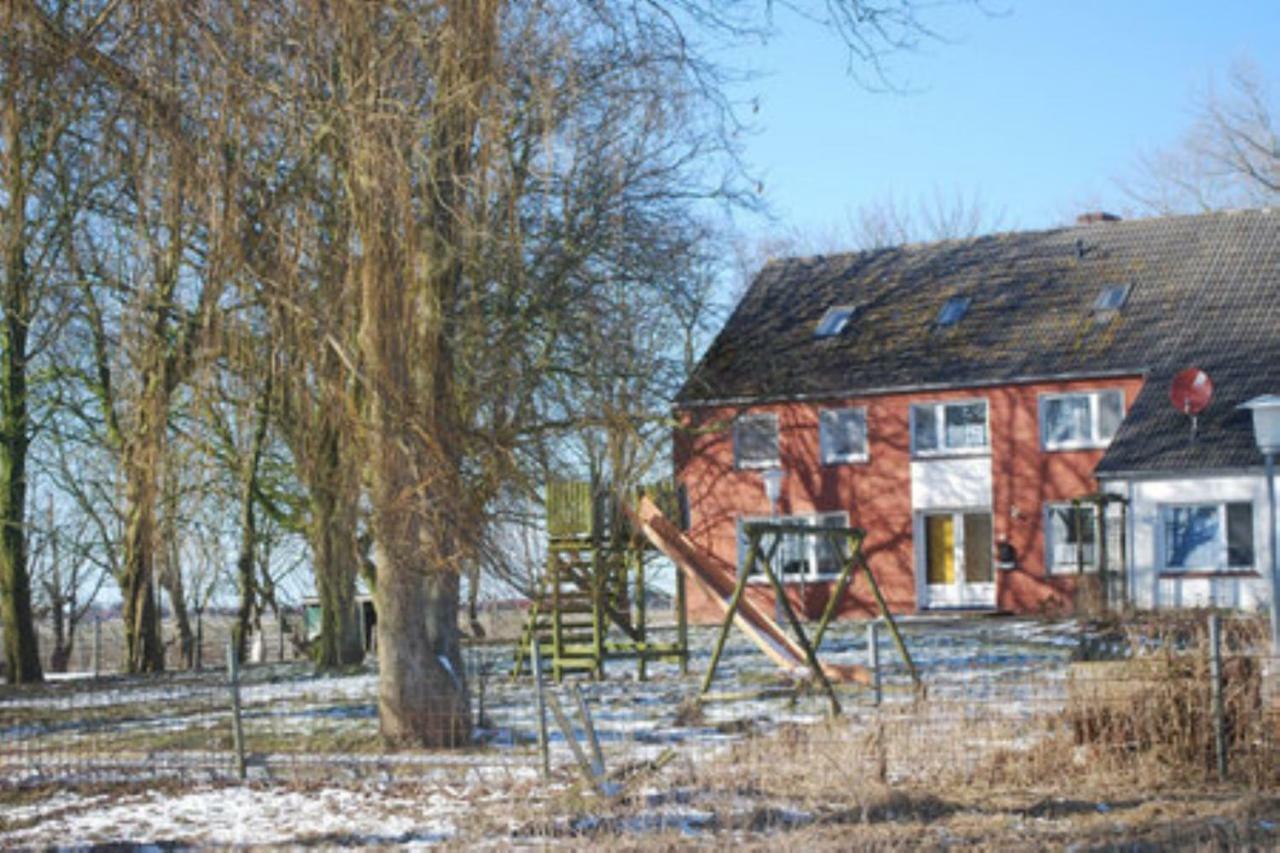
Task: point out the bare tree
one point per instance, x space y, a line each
1229 158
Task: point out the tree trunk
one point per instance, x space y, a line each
333 544
422 691
21 655
144 652
171 581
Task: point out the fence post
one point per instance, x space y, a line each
1215 688
97 647
536 661
873 659
237 731
198 661
597 757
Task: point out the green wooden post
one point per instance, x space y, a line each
842 583
682 622
753 547
599 596
893 626
557 642
641 615
809 654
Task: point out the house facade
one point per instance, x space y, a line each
994 414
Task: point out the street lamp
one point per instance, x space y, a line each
1266 431
772 479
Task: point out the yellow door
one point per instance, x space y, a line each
940 537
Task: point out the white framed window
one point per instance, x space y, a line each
834 321
1111 298
1208 537
842 435
797 556
1071 538
755 441
1080 420
946 428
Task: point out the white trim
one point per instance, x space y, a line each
1095 441
939 408
965 595
744 464
829 459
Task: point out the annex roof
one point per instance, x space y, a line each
1201 290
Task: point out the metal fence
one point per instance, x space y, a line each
1001 701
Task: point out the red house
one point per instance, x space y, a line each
956 400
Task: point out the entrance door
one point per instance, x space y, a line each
957 558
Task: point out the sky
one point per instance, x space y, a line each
1037 109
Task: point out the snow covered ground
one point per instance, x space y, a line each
150 761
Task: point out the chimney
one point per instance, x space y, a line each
1093 217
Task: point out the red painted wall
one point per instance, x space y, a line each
876 494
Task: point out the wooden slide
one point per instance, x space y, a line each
719 584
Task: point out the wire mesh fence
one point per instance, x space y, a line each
1027 705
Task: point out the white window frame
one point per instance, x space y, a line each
939 414
1051 565
824 443
815 519
1095 439
1220 563
738 461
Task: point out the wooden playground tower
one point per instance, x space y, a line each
590 604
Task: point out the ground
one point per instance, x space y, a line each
987 759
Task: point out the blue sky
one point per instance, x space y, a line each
1037 110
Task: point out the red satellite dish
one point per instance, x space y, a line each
1191 391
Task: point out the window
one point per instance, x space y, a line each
1071 538
842 434
755 441
798 556
938 428
1089 419
1207 537
834 321
1112 298
953 311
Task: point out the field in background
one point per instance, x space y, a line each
1001 752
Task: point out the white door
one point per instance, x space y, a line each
956 559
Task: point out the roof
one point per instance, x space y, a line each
1204 291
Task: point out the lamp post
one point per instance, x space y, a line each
1266 431
772 479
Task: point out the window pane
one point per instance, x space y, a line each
793 555
1191 537
755 440
1066 420
966 425
1240 535
831 551
977 548
1073 537
1110 413
924 427
843 434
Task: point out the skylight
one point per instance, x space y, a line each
1112 297
953 311
834 321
